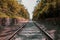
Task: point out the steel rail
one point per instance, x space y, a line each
43 31
19 29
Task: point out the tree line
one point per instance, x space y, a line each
12 10
47 9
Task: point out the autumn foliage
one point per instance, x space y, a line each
12 10
47 9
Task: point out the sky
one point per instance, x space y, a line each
29 5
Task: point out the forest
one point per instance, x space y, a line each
11 11
47 9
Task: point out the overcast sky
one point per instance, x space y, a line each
29 4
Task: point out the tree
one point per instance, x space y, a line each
46 9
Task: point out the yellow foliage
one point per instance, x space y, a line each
12 9
43 7
2 15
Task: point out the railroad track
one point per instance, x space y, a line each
43 31
20 29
